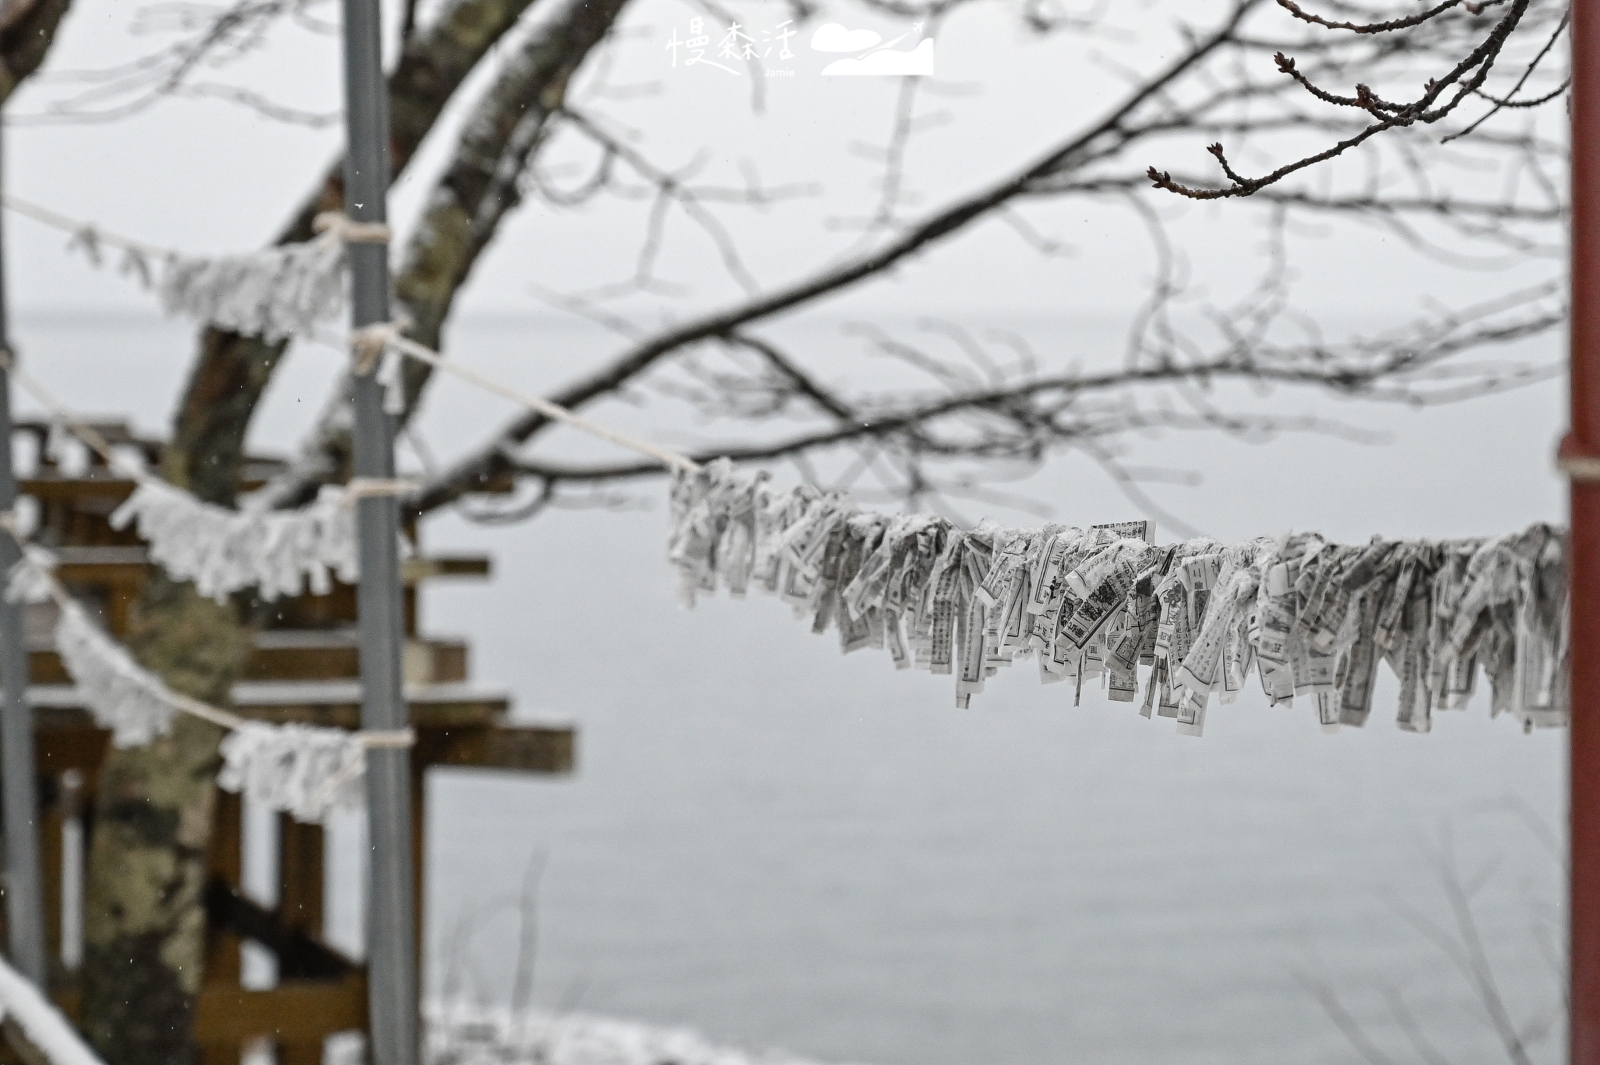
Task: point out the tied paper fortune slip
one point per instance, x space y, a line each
1180 623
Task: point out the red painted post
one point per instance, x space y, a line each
1584 443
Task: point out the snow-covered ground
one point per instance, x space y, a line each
464 1034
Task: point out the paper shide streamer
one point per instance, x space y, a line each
122 696
303 770
223 550
133 703
275 293
1311 618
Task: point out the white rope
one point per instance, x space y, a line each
349 231
359 488
394 739
85 232
1312 618
387 335
1584 469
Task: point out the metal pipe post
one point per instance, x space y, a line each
1584 442
18 785
391 954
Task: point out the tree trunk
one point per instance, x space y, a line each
27 30
144 930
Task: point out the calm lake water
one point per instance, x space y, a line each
782 846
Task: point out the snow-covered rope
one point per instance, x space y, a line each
223 551
1311 617
49 1032
133 703
274 293
302 770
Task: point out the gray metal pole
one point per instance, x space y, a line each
391 951
19 797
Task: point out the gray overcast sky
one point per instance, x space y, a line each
204 175
209 175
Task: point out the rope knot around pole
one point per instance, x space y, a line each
375 487
387 739
1579 467
370 342
347 229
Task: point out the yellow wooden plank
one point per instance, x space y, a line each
413 570
294 1011
520 748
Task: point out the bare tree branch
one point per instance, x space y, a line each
481 467
1021 420
230 372
1440 98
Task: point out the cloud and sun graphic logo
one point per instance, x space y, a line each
874 55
